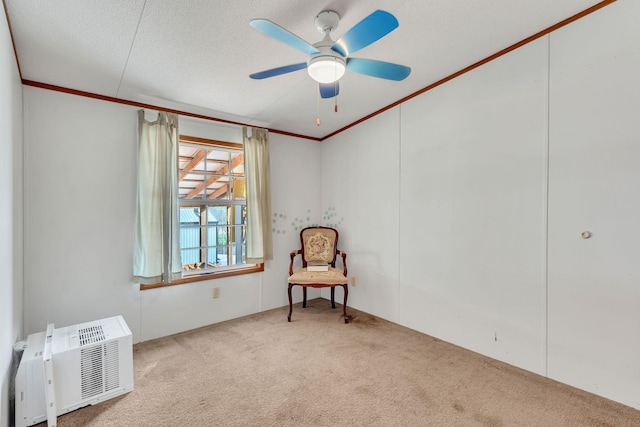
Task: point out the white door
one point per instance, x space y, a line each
594 204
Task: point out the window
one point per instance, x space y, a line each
213 208
213 211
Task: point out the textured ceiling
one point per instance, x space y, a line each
196 56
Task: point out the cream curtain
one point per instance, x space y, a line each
156 255
258 185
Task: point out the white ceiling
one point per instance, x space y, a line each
196 56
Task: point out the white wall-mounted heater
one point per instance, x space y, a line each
65 369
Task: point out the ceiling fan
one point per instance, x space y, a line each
328 60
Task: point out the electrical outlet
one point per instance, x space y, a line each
354 280
216 292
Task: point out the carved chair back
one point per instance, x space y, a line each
319 244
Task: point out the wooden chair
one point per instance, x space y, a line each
319 246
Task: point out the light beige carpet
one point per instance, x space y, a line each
261 370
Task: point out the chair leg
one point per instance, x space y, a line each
304 297
344 306
333 297
290 303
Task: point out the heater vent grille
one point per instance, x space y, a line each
90 335
111 366
91 371
99 369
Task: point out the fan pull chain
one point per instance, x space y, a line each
335 86
318 105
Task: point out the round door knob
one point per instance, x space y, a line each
585 234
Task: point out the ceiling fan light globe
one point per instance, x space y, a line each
326 69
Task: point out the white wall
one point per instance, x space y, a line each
499 171
295 202
594 186
80 162
360 172
472 218
79 202
445 209
10 214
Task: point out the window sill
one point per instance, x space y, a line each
208 276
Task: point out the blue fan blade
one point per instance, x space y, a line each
329 90
373 68
277 71
282 35
365 32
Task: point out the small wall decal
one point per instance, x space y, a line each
331 218
278 217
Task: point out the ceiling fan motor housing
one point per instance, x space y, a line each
326 66
327 21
